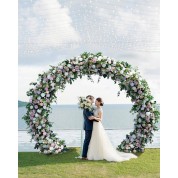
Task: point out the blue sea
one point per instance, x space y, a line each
68 124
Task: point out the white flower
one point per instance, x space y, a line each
42 94
134 88
64 64
45 152
148 113
134 136
39 127
56 152
131 146
109 60
66 74
80 59
49 76
72 76
54 71
114 62
99 58
39 98
142 115
88 104
31 107
103 65
36 115
39 111
62 146
139 120
51 148
50 141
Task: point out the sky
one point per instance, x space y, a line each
55 30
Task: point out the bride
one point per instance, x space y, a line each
100 146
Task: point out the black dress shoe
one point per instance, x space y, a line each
84 158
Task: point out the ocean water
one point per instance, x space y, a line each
68 124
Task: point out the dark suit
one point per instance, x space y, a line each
88 127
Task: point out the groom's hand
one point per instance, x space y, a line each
91 118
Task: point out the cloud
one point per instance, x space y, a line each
132 26
44 25
125 30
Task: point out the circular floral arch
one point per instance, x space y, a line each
128 78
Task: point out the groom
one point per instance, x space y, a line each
88 126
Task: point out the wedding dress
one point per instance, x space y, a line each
100 146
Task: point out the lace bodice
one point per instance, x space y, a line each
96 111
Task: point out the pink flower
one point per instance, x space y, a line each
139 92
77 68
52 144
94 60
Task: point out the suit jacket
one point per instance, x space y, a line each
88 124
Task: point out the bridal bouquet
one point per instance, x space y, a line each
85 104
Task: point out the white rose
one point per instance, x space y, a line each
99 58
80 59
66 74
51 148
147 113
39 98
42 94
45 152
103 65
39 111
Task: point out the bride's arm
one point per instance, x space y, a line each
100 116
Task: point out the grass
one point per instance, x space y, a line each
35 165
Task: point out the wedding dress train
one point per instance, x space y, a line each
100 147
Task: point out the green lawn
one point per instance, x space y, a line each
35 165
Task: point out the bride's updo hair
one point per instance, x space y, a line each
100 100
